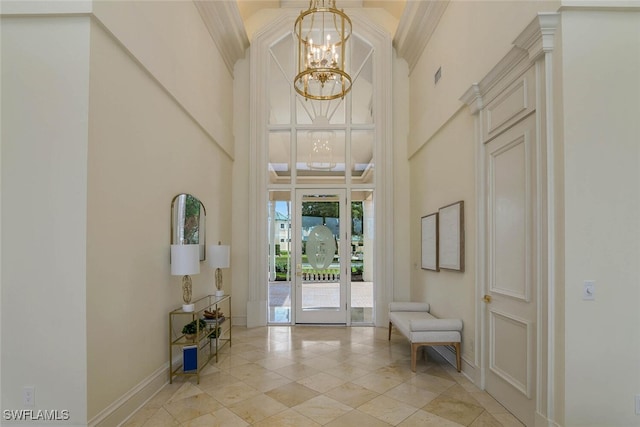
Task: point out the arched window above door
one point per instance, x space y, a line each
320 142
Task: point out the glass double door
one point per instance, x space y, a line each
321 248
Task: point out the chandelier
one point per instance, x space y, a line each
321 150
322 32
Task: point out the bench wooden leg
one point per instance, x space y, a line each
389 331
458 356
414 355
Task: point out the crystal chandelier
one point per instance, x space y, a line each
322 32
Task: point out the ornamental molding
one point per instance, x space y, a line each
534 41
418 22
225 25
538 37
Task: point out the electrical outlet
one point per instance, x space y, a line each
637 404
29 396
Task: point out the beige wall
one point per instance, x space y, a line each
601 96
143 150
170 40
45 73
470 39
597 188
161 124
111 115
401 183
241 194
443 172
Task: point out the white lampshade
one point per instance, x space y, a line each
219 256
185 260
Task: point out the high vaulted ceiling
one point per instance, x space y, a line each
250 7
231 23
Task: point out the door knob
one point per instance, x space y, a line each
487 299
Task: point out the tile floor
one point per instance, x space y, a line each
321 376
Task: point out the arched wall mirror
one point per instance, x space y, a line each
188 217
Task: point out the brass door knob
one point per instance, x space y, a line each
487 299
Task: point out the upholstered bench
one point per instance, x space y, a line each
421 328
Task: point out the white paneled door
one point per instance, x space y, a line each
511 265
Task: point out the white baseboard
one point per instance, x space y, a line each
124 407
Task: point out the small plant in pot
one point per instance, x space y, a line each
215 333
190 330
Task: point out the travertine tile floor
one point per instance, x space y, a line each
321 376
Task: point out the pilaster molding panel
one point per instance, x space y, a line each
223 20
418 22
521 379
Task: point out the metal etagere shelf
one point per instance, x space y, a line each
209 340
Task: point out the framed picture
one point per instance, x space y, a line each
430 242
451 236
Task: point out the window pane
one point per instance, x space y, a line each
362 95
362 256
362 161
279 158
321 157
279 292
309 111
279 86
320 241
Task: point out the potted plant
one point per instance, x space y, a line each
190 330
215 333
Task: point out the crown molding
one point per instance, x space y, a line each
532 43
538 37
418 22
223 20
473 98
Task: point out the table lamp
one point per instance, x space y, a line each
219 258
185 260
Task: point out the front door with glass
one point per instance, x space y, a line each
321 277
